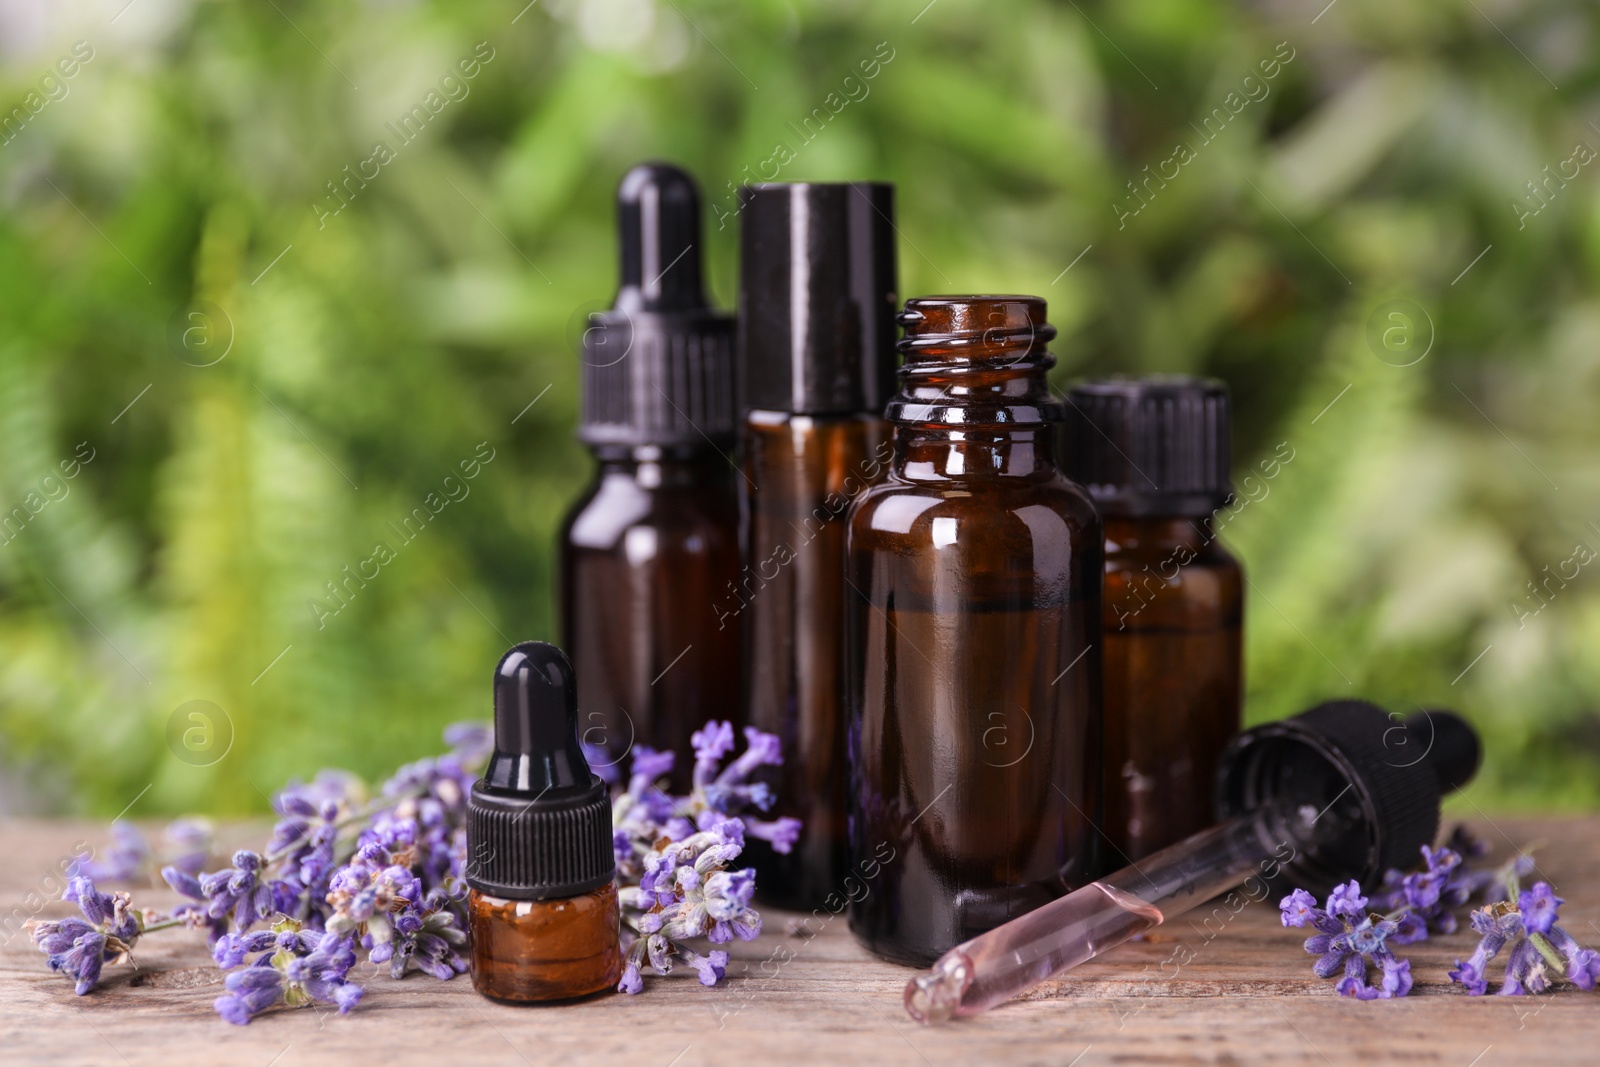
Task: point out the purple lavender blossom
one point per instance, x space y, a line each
710 967
428 939
80 948
1348 939
126 859
1346 901
1425 901
470 741
781 834
1540 953
236 892
397 865
131 858
678 849
295 967
188 843
303 845
1539 906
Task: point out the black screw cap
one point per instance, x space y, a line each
539 820
1150 446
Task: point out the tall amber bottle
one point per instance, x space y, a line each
1154 454
654 540
974 682
816 326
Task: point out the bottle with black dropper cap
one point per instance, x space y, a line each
653 542
543 906
817 363
1154 452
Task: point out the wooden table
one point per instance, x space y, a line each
1248 997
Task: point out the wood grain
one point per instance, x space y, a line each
1247 997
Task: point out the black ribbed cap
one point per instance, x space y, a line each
538 821
1352 788
1150 446
658 367
817 297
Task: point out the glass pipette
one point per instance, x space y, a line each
1342 790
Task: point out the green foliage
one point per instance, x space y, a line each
370 351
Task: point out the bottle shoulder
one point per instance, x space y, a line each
1201 553
1049 507
614 505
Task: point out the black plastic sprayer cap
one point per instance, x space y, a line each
817 297
1157 445
538 821
1354 789
658 367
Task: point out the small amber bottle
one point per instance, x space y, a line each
974 681
816 343
1154 454
653 543
542 909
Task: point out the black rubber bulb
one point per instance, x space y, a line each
536 750
658 224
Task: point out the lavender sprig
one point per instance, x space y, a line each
345 876
296 967
1425 901
80 948
185 844
678 851
1540 952
1351 940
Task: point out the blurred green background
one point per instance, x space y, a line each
168 205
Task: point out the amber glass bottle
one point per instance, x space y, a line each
542 907
974 680
816 340
654 541
1154 454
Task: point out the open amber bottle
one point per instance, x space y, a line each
974 636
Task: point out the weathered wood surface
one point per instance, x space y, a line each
1247 997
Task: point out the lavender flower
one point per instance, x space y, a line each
80 948
678 850
235 892
471 741
126 859
1348 939
1425 901
346 876
426 934
1540 952
130 857
295 967
188 843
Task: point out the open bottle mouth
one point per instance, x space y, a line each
977 361
978 328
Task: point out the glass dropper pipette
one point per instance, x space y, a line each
1340 791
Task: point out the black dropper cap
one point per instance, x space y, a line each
658 367
817 297
1150 446
538 821
1352 789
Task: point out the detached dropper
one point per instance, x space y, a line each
1341 791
